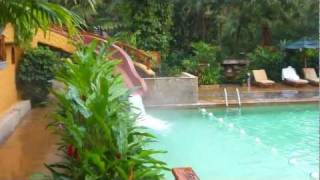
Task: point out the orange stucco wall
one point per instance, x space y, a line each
53 39
8 91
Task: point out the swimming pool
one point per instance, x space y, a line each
255 142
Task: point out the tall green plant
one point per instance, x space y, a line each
96 127
34 74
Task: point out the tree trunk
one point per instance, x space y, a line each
266 35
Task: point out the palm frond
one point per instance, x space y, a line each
30 15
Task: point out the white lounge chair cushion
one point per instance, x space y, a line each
290 73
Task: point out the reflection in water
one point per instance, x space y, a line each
29 147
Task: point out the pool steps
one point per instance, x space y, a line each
238 96
226 98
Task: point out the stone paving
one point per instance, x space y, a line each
30 146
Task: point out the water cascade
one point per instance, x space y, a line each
144 119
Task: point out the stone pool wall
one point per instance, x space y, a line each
171 90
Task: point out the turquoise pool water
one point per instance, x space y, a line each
279 142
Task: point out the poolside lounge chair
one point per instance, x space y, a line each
290 77
261 78
311 76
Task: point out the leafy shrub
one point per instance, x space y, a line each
270 59
295 58
210 76
128 38
190 66
171 66
96 127
205 63
311 53
205 53
35 70
166 70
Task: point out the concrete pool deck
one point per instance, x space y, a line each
31 145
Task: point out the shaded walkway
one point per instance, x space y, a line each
31 144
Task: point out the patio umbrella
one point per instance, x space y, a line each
303 44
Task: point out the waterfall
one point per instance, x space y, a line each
144 119
137 104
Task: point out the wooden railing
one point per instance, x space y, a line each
141 56
138 55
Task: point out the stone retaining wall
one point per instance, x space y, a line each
171 90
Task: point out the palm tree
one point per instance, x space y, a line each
84 8
28 16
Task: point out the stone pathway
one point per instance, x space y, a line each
26 150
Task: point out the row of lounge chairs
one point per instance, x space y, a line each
289 76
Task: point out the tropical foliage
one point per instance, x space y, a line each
237 27
270 59
211 75
28 16
83 8
35 74
96 127
152 19
205 63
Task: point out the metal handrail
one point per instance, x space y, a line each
226 97
238 95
